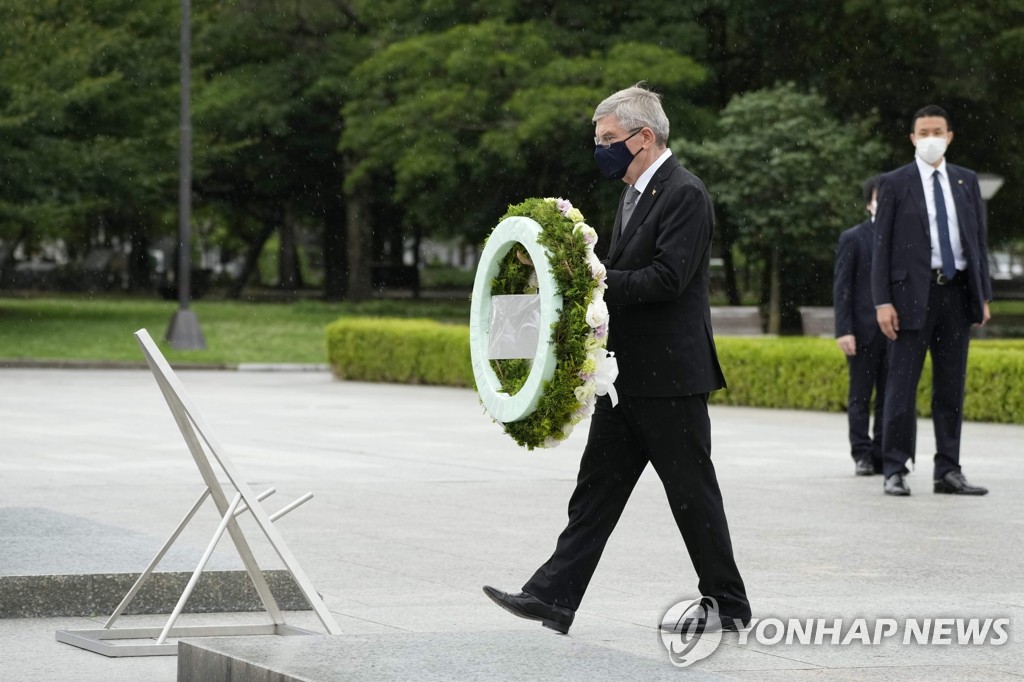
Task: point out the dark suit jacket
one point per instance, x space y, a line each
657 295
851 284
901 267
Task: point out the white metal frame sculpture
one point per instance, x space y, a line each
232 498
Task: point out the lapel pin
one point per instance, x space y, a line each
960 182
653 192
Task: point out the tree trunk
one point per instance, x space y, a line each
727 237
334 251
252 258
139 266
417 241
289 271
732 290
775 295
7 255
359 246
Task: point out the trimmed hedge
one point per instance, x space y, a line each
810 374
401 351
791 372
995 383
794 373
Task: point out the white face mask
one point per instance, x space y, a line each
930 149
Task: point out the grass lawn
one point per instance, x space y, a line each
82 328
101 328
1007 307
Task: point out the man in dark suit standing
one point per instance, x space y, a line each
860 339
930 282
661 334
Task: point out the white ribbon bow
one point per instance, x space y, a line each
604 377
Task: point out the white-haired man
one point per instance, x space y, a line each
661 334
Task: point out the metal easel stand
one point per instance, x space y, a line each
209 458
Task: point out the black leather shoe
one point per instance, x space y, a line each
525 605
712 623
895 485
864 467
954 483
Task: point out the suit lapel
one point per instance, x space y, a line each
617 227
917 194
653 192
956 185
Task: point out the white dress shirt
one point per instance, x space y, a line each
645 179
927 171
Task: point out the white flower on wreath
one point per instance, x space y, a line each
584 411
588 233
565 207
589 368
599 272
592 343
575 215
597 312
586 392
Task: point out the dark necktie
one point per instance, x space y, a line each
942 219
628 204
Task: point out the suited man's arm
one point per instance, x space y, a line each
684 234
885 216
881 257
979 210
842 293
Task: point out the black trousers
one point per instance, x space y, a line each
946 335
674 434
868 371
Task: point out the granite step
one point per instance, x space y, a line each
416 655
54 564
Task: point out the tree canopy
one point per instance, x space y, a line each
369 124
787 175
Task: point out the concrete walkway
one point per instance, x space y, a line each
420 500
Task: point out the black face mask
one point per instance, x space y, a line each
613 161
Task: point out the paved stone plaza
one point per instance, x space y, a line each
420 500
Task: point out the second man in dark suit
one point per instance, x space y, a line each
930 282
860 339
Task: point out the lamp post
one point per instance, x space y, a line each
990 184
183 332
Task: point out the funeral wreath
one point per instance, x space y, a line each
583 368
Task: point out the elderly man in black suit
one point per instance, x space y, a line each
930 282
859 338
661 334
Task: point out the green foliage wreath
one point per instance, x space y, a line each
580 334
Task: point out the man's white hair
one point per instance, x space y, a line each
636 107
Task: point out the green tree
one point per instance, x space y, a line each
964 57
450 128
87 98
883 60
788 175
266 119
